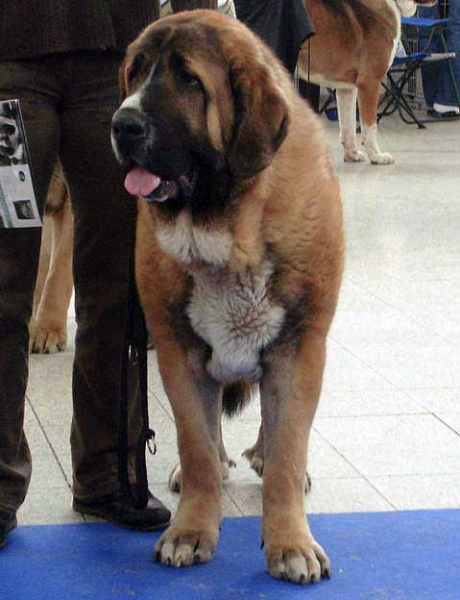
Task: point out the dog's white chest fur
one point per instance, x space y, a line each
234 315
231 312
188 243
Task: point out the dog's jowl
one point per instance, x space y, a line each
238 261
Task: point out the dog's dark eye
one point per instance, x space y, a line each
184 75
135 67
189 79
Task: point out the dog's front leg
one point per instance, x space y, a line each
346 107
368 99
194 397
290 391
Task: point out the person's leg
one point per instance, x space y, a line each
104 217
179 5
19 252
430 72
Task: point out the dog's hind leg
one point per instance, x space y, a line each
255 456
226 464
290 391
194 397
368 99
346 107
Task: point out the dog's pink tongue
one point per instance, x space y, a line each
139 182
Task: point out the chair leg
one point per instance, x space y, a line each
396 90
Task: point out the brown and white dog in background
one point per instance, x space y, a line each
53 290
353 48
238 257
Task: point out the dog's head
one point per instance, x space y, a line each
202 101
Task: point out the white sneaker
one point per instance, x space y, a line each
446 108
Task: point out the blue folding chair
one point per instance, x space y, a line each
417 37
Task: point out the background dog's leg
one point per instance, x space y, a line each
49 334
43 268
194 397
289 394
346 106
368 99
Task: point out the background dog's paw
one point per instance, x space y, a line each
304 564
382 158
47 340
183 549
353 155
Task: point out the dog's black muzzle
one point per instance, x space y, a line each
129 132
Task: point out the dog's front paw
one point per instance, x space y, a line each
180 548
304 562
381 158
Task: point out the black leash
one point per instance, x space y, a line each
133 374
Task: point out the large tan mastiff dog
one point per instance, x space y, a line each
239 261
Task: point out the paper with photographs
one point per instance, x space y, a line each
18 204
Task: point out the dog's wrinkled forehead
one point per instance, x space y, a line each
182 37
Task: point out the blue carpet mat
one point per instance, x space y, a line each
375 556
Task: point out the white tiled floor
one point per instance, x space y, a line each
387 433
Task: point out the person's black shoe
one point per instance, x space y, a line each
8 522
119 511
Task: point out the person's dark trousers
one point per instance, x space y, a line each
284 25
67 103
437 82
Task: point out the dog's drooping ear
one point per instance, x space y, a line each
261 120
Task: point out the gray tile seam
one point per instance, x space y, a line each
55 455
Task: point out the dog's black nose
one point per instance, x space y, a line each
128 125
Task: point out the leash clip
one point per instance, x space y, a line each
133 355
151 445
